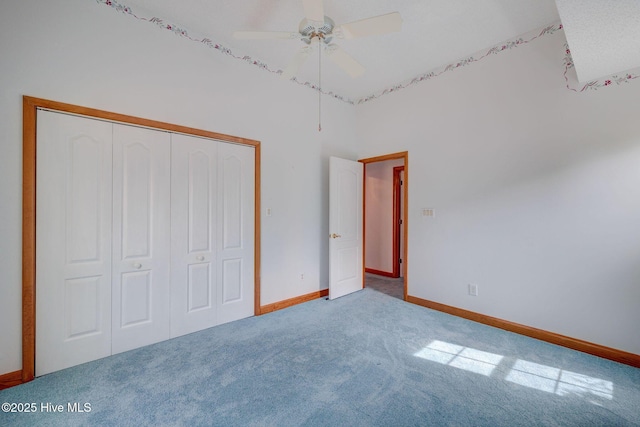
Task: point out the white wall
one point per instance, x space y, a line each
84 53
378 212
536 189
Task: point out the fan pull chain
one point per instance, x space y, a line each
319 85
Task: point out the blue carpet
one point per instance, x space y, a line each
366 359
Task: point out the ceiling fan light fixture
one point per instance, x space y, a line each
309 30
317 28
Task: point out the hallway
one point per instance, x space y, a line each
391 286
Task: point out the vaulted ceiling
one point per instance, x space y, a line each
604 36
434 33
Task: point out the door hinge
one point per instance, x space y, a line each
400 260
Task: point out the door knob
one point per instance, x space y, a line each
200 258
137 265
334 236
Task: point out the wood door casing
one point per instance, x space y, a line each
30 107
398 222
404 155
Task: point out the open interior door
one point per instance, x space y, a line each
345 227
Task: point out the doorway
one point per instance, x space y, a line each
385 223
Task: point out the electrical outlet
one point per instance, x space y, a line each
473 289
301 276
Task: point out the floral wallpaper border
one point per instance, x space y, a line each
216 46
508 45
594 84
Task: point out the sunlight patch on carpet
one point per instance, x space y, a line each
529 374
469 359
559 381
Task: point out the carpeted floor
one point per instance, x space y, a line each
365 359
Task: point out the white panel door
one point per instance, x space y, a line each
236 211
141 237
345 227
193 234
73 232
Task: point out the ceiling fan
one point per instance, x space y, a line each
319 30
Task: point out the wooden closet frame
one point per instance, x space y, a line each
30 105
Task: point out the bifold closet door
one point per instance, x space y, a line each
212 226
141 237
73 241
235 244
193 234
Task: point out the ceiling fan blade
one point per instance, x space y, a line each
298 59
383 24
343 60
264 35
313 10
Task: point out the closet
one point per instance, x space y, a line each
141 235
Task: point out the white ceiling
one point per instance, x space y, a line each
604 35
435 33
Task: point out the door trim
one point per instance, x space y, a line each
404 155
30 105
397 221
